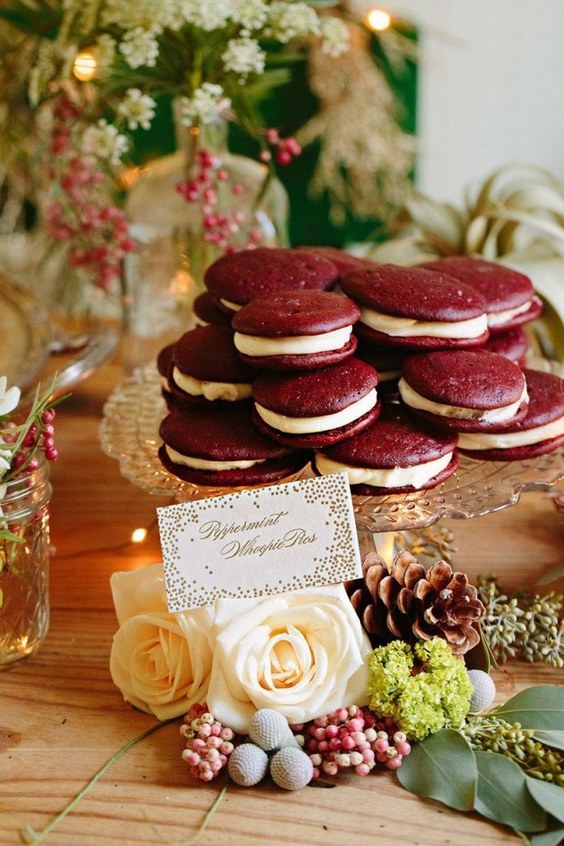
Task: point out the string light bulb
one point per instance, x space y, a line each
378 19
138 535
85 66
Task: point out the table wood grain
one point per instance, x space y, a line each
61 717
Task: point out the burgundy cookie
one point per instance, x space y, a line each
212 435
546 405
513 344
417 294
288 314
316 393
343 261
208 311
207 354
470 379
239 277
395 440
164 364
502 288
388 361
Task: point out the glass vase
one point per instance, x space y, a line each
186 210
24 563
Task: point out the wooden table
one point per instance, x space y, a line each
61 717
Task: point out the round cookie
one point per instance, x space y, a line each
295 330
513 344
164 363
416 308
387 361
207 446
343 261
539 432
205 367
464 390
393 455
237 278
315 408
509 295
208 311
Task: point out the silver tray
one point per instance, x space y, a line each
129 433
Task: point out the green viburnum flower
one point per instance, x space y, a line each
423 688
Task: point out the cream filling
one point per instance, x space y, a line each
205 464
305 425
231 391
395 477
497 318
491 415
229 305
507 440
405 327
297 345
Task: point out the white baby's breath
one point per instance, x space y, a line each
336 37
208 15
105 142
105 49
207 105
150 15
139 47
250 14
291 20
243 56
137 109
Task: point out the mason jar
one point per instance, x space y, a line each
24 562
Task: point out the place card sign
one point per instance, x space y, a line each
259 542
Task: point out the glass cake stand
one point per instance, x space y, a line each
129 433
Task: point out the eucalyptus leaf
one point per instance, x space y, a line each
548 796
552 837
442 767
555 739
539 707
503 796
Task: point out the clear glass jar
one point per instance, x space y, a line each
24 563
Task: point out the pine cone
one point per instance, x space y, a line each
409 603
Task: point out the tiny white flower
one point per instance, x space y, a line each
336 37
251 14
137 109
208 15
207 105
291 20
139 47
105 142
9 397
153 15
243 56
105 50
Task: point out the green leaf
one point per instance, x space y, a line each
548 796
555 739
503 796
552 837
540 707
442 767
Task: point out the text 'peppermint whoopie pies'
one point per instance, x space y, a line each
207 446
206 368
314 408
465 390
416 308
509 295
393 455
237 278
539 432
296 330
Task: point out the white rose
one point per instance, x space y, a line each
160 661
301 653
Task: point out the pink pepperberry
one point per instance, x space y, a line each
331 731
362 769
356 724
381 745
403 748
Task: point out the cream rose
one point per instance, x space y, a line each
160 661
301 653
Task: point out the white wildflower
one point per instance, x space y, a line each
243 56
336 37
150 15
205 14
207 105
105 50
9 397
139 47
137 109
251 14
105 142
291 20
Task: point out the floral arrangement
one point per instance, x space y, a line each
291 687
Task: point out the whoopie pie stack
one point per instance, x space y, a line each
380 371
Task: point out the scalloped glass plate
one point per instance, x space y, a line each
129 433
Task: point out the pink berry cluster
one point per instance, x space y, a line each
208 743
351 738
283 149
39 435
95 229
210 186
